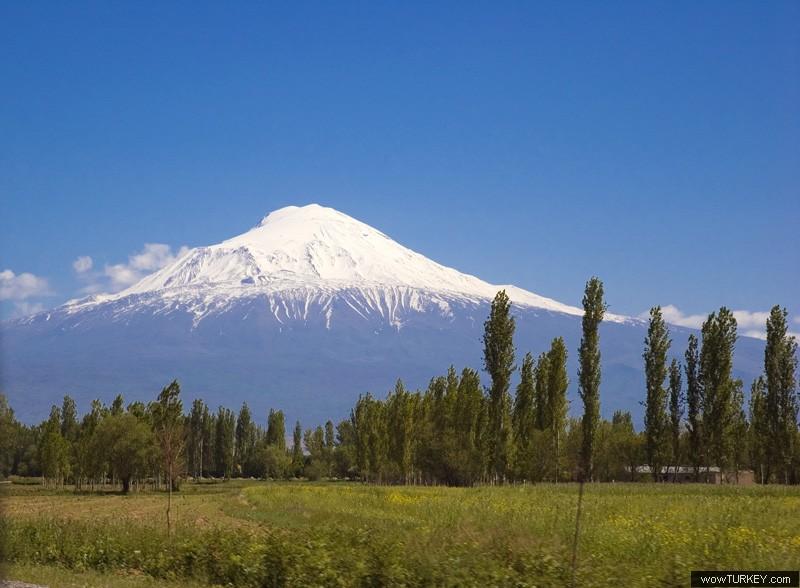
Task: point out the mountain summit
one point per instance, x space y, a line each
303 312
311 255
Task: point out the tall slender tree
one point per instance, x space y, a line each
759 434
498 361
276 429
297 450
195 437
694 406
169 430
594 309
716 365
523 419
676 405
245 439
657 345
780 366
557 405
69 419
224 442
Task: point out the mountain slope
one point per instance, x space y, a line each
303 312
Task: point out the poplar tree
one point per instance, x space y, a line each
759 433
716 364
739 429
245 439
542 401
589 372
498 361
297 450
196 437
400 424
224 441
470 419
69 419
276 429
556 401
780 365
169 430
657 345
676 404
694 406
524 419
118 405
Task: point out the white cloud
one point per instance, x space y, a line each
83 264
19 287
749 323
118 276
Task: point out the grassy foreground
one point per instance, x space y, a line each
335 534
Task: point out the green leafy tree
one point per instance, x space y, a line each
676 404
118 405
196 441
128 444
54 450
759 433
556 403
297 450
694 407
657 345
9 432
523 420
739 430
716 364
594 309
276 429
224 442
780 366
168 424
400 412
245 440
498 361
69 419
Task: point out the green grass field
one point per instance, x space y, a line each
337 534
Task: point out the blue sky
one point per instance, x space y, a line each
653 144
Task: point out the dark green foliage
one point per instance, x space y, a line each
276 429
118 406
556 406
297 450
594 309
694 406
716 365
245 441
657 345
198 440
128 445
759 437
498 361
780 366
224 442
523 420
69 419
676 405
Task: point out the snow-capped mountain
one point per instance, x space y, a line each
300 260
303 312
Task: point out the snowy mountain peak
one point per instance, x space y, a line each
315 252
310 213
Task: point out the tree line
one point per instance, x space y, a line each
455 431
